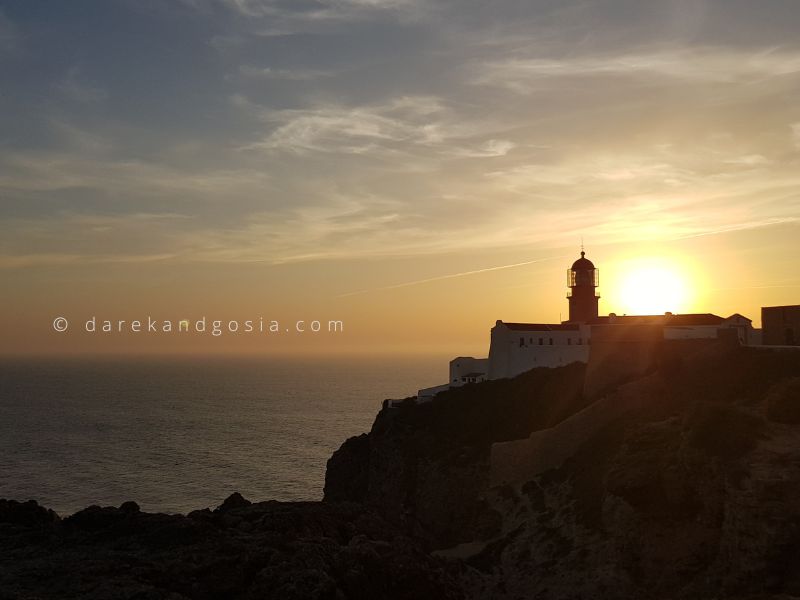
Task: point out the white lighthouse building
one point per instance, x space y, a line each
518 347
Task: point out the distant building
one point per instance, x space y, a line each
781 325
463 370
518 347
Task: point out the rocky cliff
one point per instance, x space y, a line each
425 467
682 482
292 551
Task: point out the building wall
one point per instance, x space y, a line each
614 351
691 333
741 330
462 366
744 330
620 353
426 394
781 325
515 351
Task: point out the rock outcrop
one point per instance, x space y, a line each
682 482
241 550
425 467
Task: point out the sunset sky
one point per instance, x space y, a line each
415 169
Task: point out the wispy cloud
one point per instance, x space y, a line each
123 239
405 126
321 10
703 65
62 171
749 160
752 224
416 120
269 73
451 276
60 259
488 149
275 18
376 134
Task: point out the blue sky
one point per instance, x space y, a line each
228 118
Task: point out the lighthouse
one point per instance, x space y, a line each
516 347
582 280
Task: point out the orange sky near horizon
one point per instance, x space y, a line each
430 304
414 169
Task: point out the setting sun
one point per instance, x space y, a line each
653 287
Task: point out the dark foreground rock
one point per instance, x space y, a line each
241 550
692 492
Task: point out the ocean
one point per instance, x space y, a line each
180 434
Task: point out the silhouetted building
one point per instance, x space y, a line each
781 325
686 327
518 347
582 281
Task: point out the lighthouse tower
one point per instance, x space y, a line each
582 280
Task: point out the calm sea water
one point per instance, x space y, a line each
180 434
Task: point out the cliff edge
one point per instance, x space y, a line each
680 480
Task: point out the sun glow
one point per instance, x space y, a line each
653 287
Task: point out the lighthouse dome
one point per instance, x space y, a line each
582 264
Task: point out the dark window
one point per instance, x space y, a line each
551 341
569 341
521 342
541 341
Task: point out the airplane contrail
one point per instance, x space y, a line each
449 276
741 227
